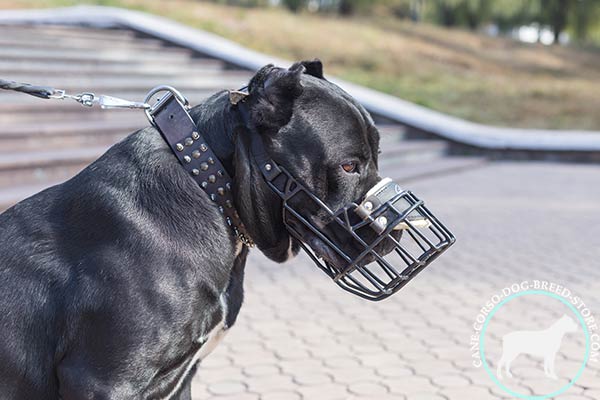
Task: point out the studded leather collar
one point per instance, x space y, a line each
176 126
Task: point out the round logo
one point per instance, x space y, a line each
535 338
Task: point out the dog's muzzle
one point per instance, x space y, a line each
371 248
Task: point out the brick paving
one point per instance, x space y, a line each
300 337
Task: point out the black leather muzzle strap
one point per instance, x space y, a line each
178 129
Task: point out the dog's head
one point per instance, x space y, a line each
567 324
319 134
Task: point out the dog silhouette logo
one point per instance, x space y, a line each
545 343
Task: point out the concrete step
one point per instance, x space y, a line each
90 138
114 56
407 172
11 196
66 134
52 111
114 83
73 126
28 41
411 151
70 46
61 67
63 31
37 167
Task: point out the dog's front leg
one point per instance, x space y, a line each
549 366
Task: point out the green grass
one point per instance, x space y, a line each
488 80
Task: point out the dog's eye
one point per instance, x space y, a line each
349 166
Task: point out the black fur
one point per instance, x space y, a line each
108 280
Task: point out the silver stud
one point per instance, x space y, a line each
228 204
382 221
211 160
228 221
220 173
368 206
195 172
187 159
212 179
203 184
196 154
213 197
195 135
268 167
179 147
221 209
220 191
188 141
228 186
204 166
203 147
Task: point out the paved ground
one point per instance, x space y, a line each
300 337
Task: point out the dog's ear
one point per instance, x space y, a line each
314 68
272 94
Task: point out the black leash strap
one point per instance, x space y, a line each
44 92
190 147
86 99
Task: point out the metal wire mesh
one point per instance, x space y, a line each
380 263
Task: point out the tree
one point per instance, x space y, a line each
295 5
555 14
351 7
468 13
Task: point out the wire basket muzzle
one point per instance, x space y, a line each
371 249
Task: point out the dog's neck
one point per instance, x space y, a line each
217 123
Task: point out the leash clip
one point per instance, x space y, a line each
58 94
86 99
115 102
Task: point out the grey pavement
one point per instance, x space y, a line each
301 337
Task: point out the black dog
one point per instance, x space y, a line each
114 284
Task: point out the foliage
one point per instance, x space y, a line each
580 18
295 5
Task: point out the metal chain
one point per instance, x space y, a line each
85 99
